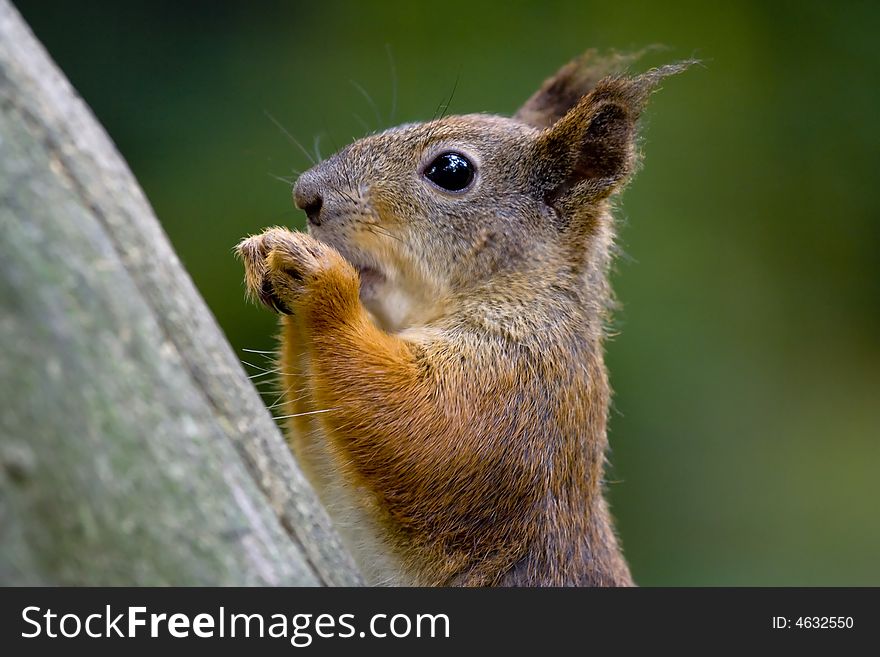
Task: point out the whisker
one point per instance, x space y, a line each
380 231
287 181
262 374
284 417
435 121
370 101
393 82
330 136
316 143
451 95
257 367
281 401
341 193
359 119
293 139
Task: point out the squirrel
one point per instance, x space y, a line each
442 328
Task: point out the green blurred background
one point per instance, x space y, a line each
746 430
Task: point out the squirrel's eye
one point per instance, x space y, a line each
450 171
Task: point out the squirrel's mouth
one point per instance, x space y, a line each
371 276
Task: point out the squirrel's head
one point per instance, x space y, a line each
429 211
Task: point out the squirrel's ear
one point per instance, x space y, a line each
572 82
591 150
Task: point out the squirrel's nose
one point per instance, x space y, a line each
308 198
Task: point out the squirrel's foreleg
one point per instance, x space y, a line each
427 443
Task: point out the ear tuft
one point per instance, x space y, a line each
591 150
559 93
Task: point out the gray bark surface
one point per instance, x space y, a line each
133 448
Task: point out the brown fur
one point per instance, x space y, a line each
442 353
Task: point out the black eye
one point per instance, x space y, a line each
450 171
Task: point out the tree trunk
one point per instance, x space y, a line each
133 448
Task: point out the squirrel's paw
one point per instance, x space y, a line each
281 266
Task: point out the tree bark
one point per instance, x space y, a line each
133 448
